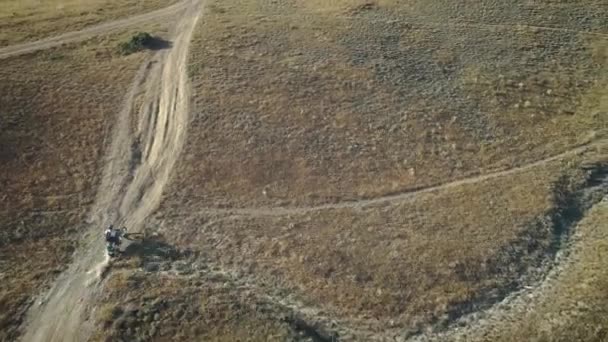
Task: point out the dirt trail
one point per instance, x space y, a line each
92 31
402 196
139 163
138 166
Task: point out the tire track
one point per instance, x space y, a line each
130 193
75 36
127 194
401 196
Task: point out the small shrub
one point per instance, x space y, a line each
138 42
108 313
56 57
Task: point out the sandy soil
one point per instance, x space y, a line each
132 185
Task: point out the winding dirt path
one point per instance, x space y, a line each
139 163
402 196
132 183
92 31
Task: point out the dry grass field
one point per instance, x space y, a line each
574 309
27 20
353 170
312 105
400 269
56 110
307 103
209 308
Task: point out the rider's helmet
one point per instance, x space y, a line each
111 227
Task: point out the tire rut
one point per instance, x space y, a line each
129 191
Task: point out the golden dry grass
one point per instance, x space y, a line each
574 307
411 263
309 106
56 110
312 102
303 103
163 308
27 20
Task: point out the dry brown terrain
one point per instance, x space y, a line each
569 306
305 103
574 309
312 105
54 130
28 20
353 170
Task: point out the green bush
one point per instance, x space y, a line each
138 42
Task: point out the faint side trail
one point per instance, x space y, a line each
92 31
402 196
139 163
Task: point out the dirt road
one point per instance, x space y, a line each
139 162
92 31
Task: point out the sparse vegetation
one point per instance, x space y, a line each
439 254
22 21
51 155
358 101
138 42
108 313
342 106
205 308
571 306
301 104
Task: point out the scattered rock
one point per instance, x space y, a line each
151 267
131 310
183 268
409 332
442 323
158 302
120 323
178 314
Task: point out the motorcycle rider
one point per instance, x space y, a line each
112 236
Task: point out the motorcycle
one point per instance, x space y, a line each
113 248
